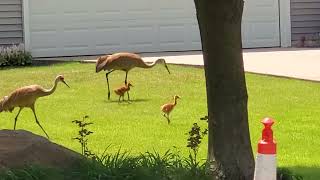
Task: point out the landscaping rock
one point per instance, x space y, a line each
20 148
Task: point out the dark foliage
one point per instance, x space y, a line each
14 56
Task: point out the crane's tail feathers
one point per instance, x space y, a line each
2 102
3 105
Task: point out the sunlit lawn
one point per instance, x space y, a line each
139 126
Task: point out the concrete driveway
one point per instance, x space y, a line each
287 62
297 63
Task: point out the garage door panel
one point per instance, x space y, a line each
42 7
265 38
48 28
137 15
139 5
171 33
82 27
108 37
40 41
261 8
169 4
71 6
194 37
71 38
140 35
263 12
270 34
43 19
44 52
171 36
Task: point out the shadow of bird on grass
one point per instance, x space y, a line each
126 102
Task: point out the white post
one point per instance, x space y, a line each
26 26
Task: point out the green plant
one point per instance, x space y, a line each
31 172
286 174
149 165
205 118
82 137
14 55
194 141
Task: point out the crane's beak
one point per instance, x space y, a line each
165 65
66 84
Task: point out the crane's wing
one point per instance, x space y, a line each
123 61
118 61
22 97
121 89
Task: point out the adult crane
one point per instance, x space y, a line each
123 61
26 97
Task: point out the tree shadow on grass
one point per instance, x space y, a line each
308 173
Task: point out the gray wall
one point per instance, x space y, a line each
305 21
11 28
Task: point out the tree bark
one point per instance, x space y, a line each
229 146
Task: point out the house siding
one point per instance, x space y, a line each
11 24
305 22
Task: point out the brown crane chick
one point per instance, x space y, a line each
26 97
123 61
167 108
122 90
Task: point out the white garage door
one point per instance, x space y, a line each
261 26
83 27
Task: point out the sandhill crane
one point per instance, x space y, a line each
122 90
123 61
167 108
26 97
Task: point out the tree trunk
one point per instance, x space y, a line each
229 147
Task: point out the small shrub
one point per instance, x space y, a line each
82 136
193 143
14 56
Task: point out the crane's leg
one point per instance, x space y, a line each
128 96
168 118
16 118
125 80
35 116
108 83
119 99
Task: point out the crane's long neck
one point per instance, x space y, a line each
175 101
47 92
127 87
150 65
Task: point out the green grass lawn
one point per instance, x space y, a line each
139 126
